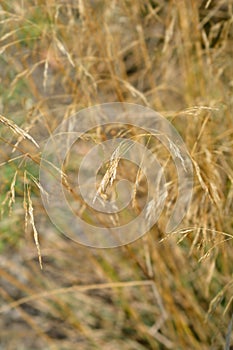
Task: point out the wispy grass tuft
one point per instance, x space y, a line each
163 291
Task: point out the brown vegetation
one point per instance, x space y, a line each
163 291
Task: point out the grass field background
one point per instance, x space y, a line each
163 291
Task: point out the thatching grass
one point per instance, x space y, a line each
161 292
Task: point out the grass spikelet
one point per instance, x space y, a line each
32 222
17 130
12 192
110 174
64 51
45 75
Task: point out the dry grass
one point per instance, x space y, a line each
161 292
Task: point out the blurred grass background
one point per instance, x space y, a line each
58 57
